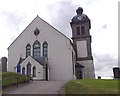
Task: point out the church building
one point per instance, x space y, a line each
43 52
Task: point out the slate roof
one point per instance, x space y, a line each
21 60
80 17
40 60
79 65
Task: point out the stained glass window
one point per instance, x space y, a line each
28 50
36 49
45 49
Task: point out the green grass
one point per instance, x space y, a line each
92 86
10 78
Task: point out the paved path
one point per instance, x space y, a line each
38 87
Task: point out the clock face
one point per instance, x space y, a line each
79 17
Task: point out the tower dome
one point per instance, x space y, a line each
80 17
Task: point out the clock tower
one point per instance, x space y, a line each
81 37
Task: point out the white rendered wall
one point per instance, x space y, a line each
59 49
39 68
82 48
88 71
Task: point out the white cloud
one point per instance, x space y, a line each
104 26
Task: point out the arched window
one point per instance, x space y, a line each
34 71
36 49
23 70
82 30
28 50
45 49
78 30
28 69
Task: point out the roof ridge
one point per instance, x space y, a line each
32 58
53 27
43 21
23 31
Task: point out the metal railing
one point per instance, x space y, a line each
18 81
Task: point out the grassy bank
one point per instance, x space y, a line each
92 86
11 78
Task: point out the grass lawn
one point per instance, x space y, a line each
92 86
10 78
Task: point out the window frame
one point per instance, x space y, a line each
34 71
23 72
78 31
45 49
28 72
82 30
28 50
36 49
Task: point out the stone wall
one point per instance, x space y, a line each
4 64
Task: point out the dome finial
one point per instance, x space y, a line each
79 10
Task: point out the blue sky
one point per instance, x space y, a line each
15 15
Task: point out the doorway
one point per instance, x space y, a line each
46 69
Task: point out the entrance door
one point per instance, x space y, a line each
18 68
79 73
46 73
80 76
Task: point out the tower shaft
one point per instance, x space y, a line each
82 44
